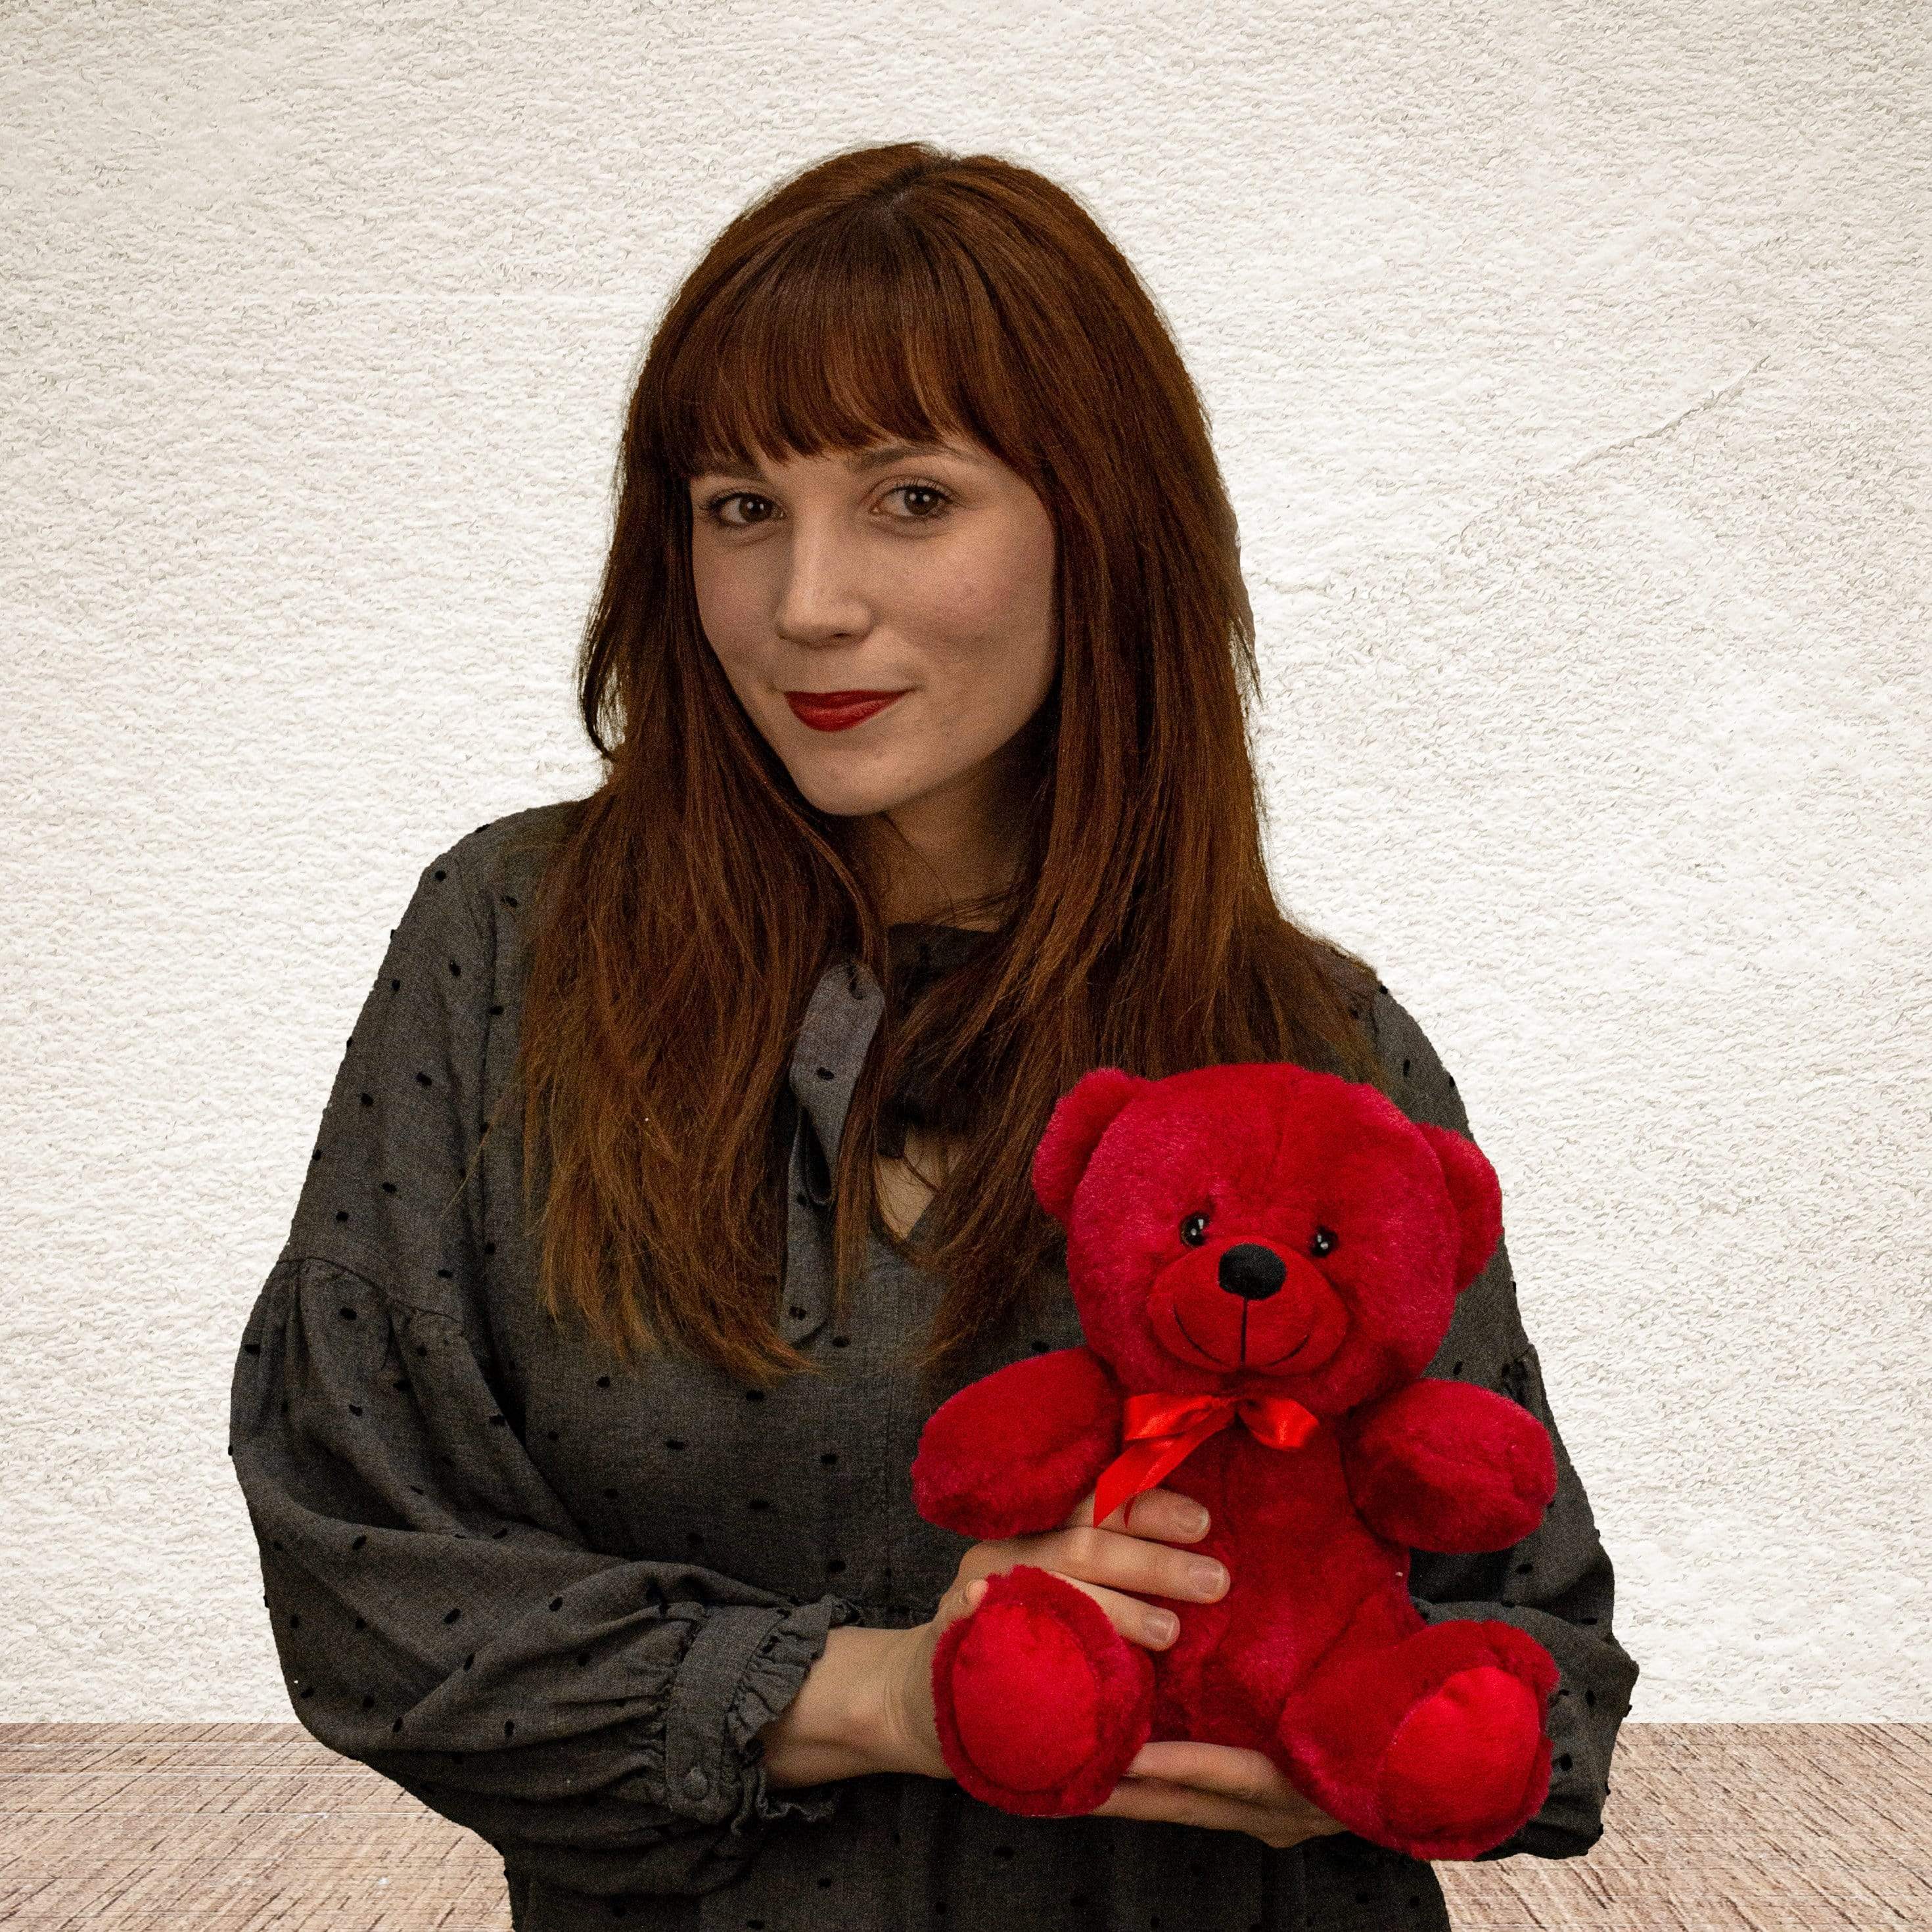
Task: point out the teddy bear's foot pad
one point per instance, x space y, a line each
1040 1702
1476 1738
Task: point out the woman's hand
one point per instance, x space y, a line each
1107 1562
1214 1785
1220 1787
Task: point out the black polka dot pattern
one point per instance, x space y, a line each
559 1600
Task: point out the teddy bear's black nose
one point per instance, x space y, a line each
1252 1270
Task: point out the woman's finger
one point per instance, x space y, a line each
1147 1624
1157 1798
1163 1514
1251 1776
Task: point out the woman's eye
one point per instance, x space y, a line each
1324 1240
933 490
1194 1230
714 509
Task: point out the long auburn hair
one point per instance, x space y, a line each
684 917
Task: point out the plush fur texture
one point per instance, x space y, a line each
1248 1230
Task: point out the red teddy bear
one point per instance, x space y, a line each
1264 1258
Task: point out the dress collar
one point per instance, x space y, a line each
841 1017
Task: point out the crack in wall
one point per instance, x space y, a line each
1568 466
1724 391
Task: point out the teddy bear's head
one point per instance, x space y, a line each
1261 1227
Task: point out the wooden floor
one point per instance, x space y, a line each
1774 1827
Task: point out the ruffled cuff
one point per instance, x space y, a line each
741 1671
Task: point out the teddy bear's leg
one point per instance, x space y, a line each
1434 1745
1040 1702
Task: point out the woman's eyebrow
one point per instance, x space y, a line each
892 452
857 464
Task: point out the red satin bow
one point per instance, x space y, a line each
1163 1430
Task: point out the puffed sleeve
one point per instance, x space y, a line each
1556 1584
437 1613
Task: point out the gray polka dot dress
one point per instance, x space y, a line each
557 1603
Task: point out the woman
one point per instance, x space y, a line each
577 1434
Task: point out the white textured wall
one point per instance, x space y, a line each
1569 366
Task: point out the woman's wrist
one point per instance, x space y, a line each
838 1725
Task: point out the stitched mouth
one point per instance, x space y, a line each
1243 1364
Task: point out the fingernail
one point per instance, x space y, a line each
1197 1522
1163 1624
1207 1576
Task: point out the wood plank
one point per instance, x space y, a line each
1734 1827
241 1828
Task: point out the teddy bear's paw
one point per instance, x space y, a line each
1467 1766
1040 1702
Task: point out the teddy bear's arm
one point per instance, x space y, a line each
1449 1467
1011 1453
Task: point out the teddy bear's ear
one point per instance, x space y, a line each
1475 1194
1080 1116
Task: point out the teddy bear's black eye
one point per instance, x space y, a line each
1324 1240
1194 1230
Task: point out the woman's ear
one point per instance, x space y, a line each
1080 1116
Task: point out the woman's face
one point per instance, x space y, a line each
928 572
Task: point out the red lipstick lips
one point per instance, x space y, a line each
838 710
